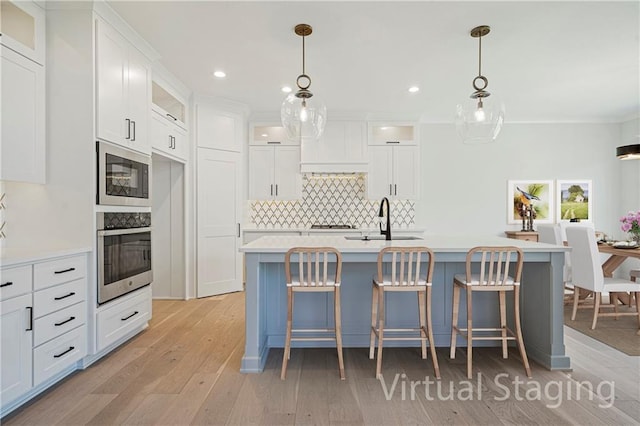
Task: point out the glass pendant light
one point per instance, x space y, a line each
303 115
479 120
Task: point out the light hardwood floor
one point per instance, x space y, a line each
184 369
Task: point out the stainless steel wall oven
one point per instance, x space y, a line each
124 253
124 177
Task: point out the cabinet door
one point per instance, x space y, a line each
160 138
217 129
380 172
180 142
261 173
111 74
139 100
16 347
23 119
287 178
405 168
23 28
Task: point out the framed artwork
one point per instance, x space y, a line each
574 200
537 193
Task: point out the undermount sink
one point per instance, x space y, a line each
381 237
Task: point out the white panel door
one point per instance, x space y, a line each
219 214
261 172
16 347
287 178
405 165
380 172
23 119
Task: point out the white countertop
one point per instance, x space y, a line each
329 231
439 243
12 256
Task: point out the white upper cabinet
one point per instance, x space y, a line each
274 173
382 133
23 134
22 24
394 172
342 148
168 104
168 123
123 84
218 129
270 134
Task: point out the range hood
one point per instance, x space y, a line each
341 149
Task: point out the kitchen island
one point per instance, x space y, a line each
266 297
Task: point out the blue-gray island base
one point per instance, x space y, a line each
542 292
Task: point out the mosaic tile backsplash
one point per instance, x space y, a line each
330 199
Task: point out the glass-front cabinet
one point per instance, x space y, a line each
168 105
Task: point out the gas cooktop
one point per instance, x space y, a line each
338 226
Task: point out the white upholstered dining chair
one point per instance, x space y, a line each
552 234
588 275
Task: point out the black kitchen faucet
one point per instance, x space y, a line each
387 231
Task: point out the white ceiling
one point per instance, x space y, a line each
575 61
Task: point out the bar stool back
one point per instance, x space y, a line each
313 275
500 270
408 269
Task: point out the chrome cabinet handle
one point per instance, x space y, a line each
134 131
390 189
238 230
30 318
128 128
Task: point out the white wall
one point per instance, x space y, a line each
464 187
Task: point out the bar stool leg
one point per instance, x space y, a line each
503 322
422 311
454 320
523 353
374 318
432 345
337 313
380 332
287 345
469 331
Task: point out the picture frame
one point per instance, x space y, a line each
540 193
574 200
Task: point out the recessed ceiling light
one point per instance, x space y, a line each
219 74
264 135
286 89
414 89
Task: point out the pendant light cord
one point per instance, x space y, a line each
479 55
303 55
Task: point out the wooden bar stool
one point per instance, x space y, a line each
313 276
494 264
411 269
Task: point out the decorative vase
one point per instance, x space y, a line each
635 236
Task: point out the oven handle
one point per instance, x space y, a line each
104 233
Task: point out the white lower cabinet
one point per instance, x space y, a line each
43 313
122 317
15 347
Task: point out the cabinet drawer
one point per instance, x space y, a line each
15 281
47 274
55 298
116 321
57 323
58 354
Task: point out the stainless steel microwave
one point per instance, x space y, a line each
124 177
